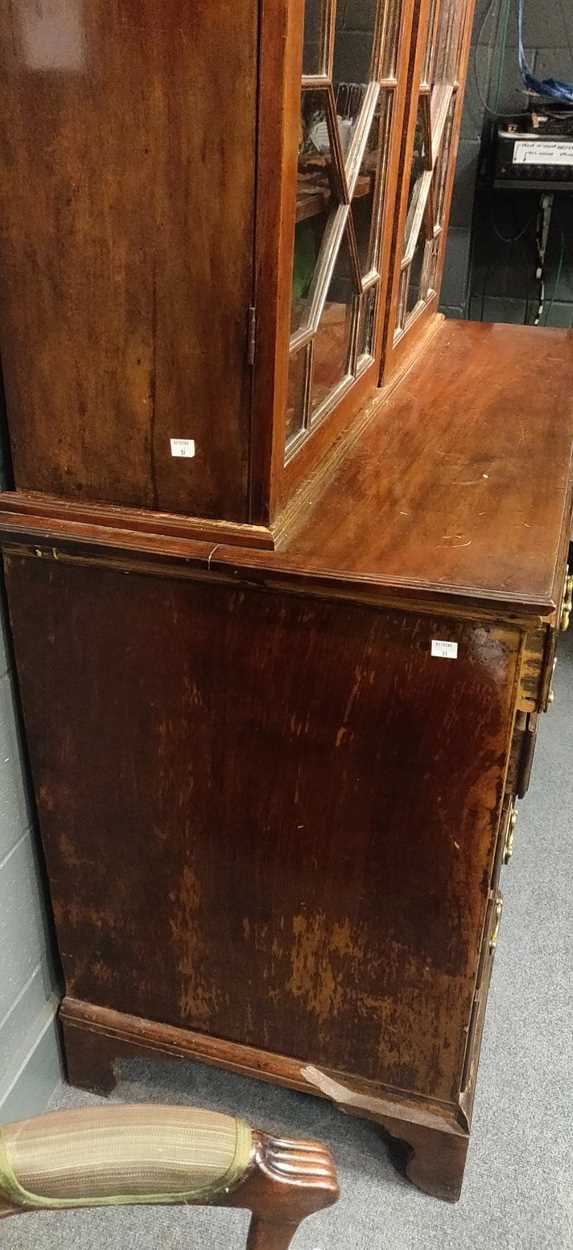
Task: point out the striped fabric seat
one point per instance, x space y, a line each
120 1155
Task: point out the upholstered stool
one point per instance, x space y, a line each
104 1156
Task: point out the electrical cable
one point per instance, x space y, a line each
514 238
557 276
545 213
553 88
503 28
493 112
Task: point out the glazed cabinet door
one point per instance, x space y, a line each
438 67
345 76
127 133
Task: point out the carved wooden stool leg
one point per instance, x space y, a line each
264 1235
289 1180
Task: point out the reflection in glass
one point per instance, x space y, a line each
446 42
314 17
315 183
366 322
307 244
421 153
432 266
332 343
420 176
441 175
418 283
296 393
355 57
366 205
355 29
392 14
427 72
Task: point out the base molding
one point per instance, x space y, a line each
32 512
427 1143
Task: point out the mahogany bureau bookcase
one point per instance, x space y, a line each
285 552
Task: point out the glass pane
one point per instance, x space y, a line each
441 175
402 298
418 284
430 45
366 322
355 61
314 19
296 393
332 343
433 258
446 43
421 153
420 166
307 243
392 14
315 193
366 203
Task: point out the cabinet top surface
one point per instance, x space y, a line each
457 488
462 478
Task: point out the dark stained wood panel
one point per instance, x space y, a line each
462 480
127 134
205 869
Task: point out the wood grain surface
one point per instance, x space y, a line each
463 479
457 490
266 817
126 248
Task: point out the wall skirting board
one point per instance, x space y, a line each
29 1044
35 1067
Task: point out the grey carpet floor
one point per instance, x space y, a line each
518 1193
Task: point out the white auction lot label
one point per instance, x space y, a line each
534 152
184 447
444 650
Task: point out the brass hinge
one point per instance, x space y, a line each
252 335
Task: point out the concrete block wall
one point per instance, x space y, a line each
502 285
30 1065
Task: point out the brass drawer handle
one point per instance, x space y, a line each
508 848
495 934
567 607
551 695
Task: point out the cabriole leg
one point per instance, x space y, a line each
266 1235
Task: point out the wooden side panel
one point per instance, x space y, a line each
127 132
267 817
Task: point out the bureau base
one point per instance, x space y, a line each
425 1142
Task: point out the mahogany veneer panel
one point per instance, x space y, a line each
205 871
463 477
126 248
